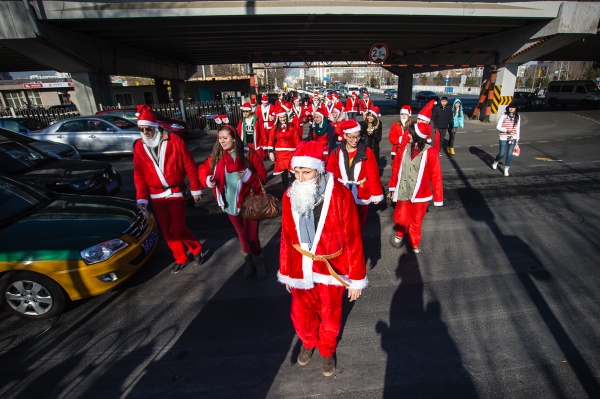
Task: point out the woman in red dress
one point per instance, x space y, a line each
281 145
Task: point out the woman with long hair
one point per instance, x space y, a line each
399 130
231 171
283 138
321 130
416 179
458 120
371 130
509 126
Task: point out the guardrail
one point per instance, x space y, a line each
41 114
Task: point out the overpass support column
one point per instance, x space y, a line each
506 81
177 90
162 92
405 82
91 90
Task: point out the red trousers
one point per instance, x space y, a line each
171 218
408 218
247 231
362 216
317 316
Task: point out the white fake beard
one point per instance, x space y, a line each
153 142
403 118
303 195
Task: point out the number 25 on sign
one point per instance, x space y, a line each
378 53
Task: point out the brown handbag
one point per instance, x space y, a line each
258 207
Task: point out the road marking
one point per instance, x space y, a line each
543 141
548 159
583 117
573 163
577 138
560 140
476 131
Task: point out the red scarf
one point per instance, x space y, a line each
226 163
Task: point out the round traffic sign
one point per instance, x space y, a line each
378 53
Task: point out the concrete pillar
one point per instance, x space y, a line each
91 90
177 90
162 92
405 82
507 80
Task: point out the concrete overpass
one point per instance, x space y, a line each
168 39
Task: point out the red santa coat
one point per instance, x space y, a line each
365 104
398 136
255 175
352 104
298 115
283 141
428 179
260 139
337 229
163 179
266 116
312 108
365 184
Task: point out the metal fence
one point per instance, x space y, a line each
41 114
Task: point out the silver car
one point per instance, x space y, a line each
100 134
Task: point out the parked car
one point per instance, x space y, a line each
386 91
56 248
426 95
73 176
101 134
528 100
21 124
176 126
392 94
58 150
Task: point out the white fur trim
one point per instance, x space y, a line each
199 192
285 149
352 130
147 123
420 175
308 162
441 203
419 133
208 179
142 201
423 117
405 111
247 175
377 198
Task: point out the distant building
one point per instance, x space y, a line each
5 76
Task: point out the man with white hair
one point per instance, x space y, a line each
321 253
160 164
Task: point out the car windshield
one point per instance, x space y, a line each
18 158
120 122
592 88
19 200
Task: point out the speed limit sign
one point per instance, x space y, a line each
378 53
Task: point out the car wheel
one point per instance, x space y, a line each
31 295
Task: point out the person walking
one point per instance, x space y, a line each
441 117
353 163
399 130
371 130
322 131
352 106
416 179
321 254
298 114
283 139
365 103
232 170
266 117
251 130
509 126
161 162
458 120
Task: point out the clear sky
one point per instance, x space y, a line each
24 75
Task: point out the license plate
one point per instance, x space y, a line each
112 186
149 243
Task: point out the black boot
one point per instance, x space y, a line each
248 265
261 272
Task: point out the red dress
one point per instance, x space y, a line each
283 140
398 136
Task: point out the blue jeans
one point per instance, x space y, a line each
503 147
351 114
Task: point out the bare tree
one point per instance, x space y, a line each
348 76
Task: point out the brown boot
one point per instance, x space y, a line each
305 355
328 366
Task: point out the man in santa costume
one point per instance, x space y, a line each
416 179
365 103
352 106
280 100
161 162
266 116
321 254
298 114
399 130
314 105
354 164
251 130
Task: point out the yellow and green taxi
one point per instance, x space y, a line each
56 248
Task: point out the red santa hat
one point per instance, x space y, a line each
423 129
425 113
320 111
365 94
280 95
280 111
353 94
221 119
406 109
335 95
309 154
330 98
264 99
350 126
316 93
375 111
295 99
253 101
338 106
146 116
246 107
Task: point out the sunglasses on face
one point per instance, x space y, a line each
146 129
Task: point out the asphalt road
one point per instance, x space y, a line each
501 302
